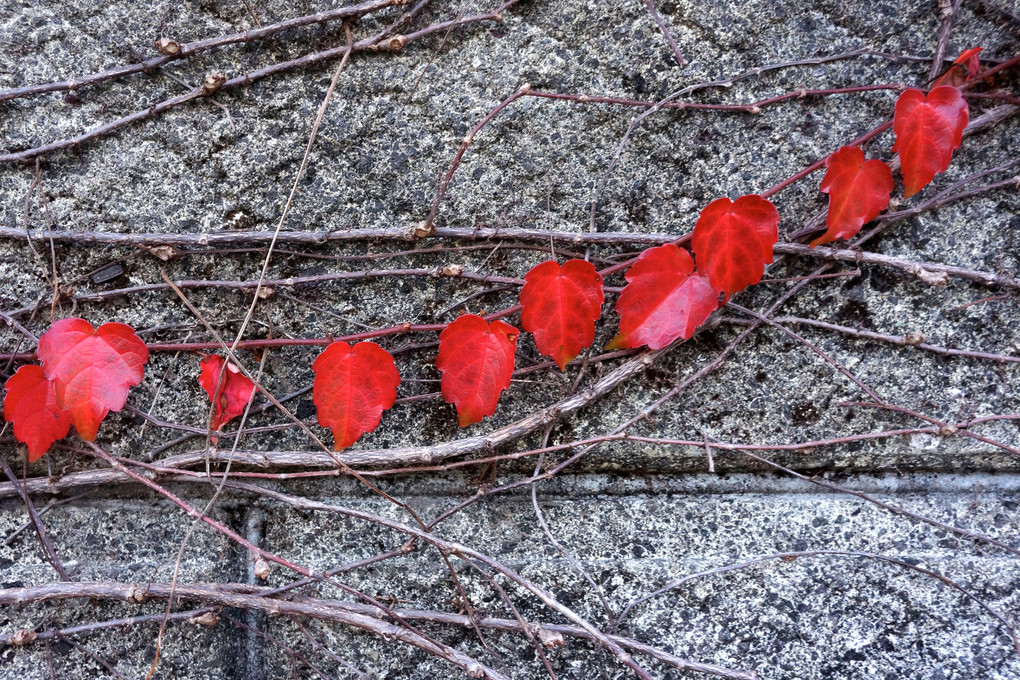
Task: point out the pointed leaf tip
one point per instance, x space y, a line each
664 299
352 388
560 305
476 358
928 129
92 370
732 241
858 191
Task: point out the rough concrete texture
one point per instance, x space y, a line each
634 515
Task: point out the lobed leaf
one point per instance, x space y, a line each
858 191
476 358
928 129
732 241
663 300
352 388
91 369
560 305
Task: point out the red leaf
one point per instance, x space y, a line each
858 190
91 369
664 299
352 388
31 404
733 240
236 389
476 359
928 130
560 307
964 68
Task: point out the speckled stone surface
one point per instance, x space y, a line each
635 515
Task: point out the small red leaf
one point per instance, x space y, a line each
928 129
664 299
560 306
352 388
858 190
31 404
964 68
476 359
732 241
235 389
91 369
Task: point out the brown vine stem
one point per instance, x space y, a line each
133 593
229 351
948 9
324 465
932 273
944 427
185 50
666 33
40 528
427 226
600 238
209 504
643 414
948 195
468 555
915 340
259 552
796 177
98 659
13 323
810 345
929 272
980 123
431 453
243 596
195 514
446 548
192 616
276 642
314 641
378 43
753 107
54 503
272 342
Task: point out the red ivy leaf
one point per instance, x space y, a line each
31 404
664 299
733 240
928 130
235 390
858 190
964 68
92 370
352 388
560 307
476 359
